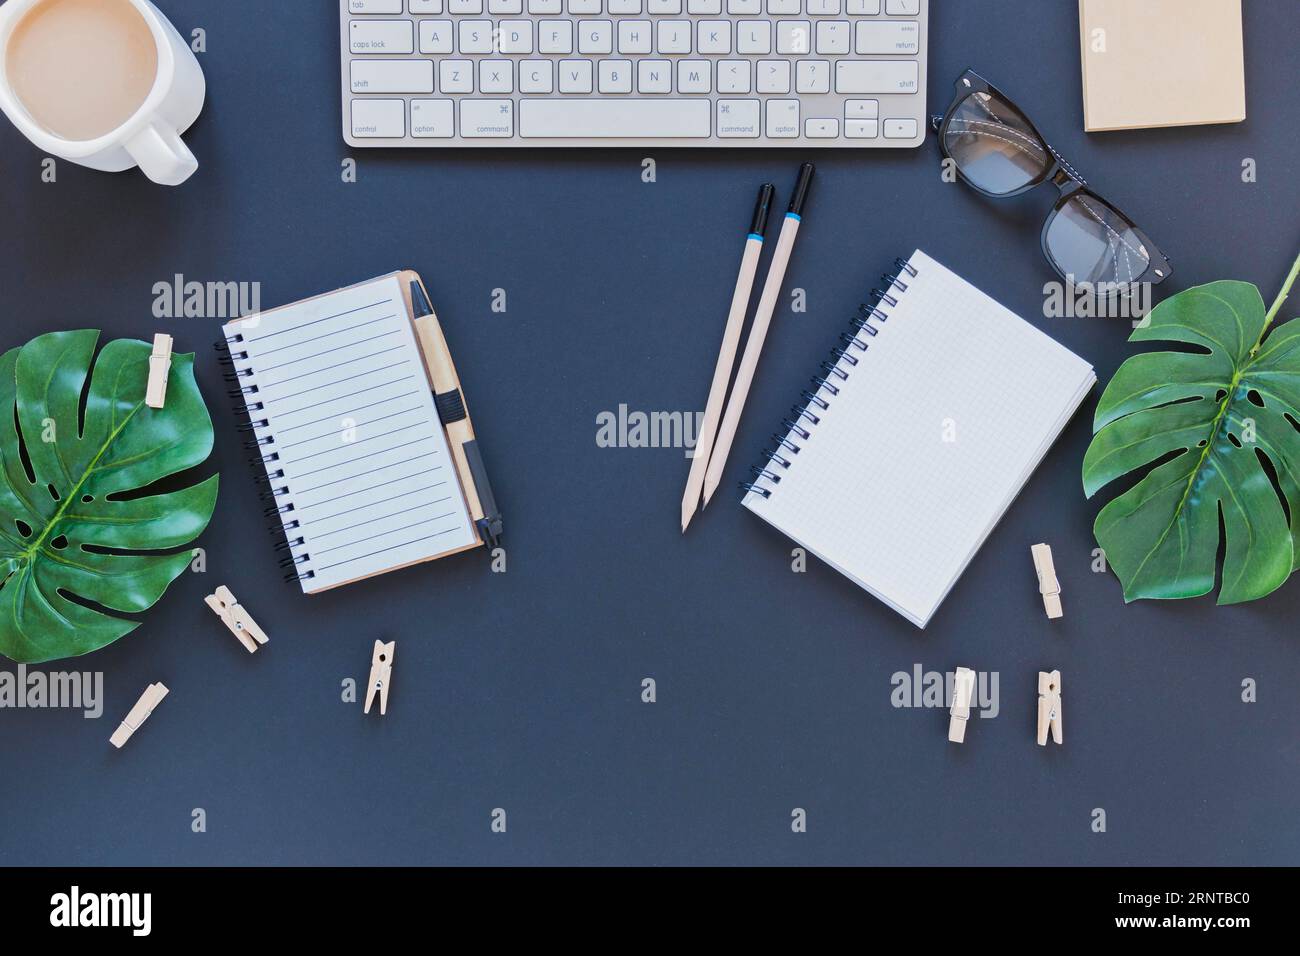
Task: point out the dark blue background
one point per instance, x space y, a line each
522 690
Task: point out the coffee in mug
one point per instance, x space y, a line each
82 68
108 84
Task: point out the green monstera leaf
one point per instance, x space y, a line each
68 523
1220 425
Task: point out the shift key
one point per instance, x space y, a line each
877 76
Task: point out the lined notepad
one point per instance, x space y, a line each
340 404
938 411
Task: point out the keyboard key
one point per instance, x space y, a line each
634 36
432 119
487 119
374 6
863 8
674 36
598 119
555 36
505 6
861 109
379 119
754 36
782 119
595 36
456 76
382 36
813 76
773 76
392 76
903 8
515 36
545 6
876 76
475 36
861 129
784 7
614 76
496 76
888 37
585 6
793 37
630 8
713 36
425 6
744 7
738 119
704 7
670 8
821 128
435 36
694 76
536 76
900 129
575 76
465 6
823 8
832 37
654 76
733 76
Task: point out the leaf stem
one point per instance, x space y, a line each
35 547
1281 296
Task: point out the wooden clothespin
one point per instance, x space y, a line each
1049 706
1048 586
381 674
234 616
963 690
152 696
160 366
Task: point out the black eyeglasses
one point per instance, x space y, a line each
999 153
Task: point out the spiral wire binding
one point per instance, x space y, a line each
815 402
280 520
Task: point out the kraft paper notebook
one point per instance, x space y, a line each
1150 63
360 470
933 412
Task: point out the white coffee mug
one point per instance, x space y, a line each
150 139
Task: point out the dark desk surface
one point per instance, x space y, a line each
522 690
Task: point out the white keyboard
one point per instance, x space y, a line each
843 73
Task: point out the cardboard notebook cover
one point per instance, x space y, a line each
433 347
1155 63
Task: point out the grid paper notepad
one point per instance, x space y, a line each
927 435
340 404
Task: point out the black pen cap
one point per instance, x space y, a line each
801 185
758 225
420 303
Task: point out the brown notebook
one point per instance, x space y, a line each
1149 63
339 399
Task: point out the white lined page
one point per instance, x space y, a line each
935 431
347 407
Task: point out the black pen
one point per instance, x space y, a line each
450 403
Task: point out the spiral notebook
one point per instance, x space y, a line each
360 474
932 413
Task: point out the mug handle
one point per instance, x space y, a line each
162 154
